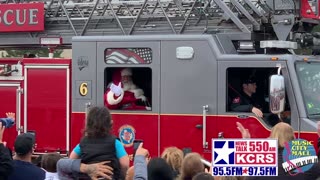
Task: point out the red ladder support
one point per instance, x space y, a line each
310 11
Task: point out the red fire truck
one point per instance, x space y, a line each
187 56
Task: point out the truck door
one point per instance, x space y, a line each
138 120
188 95
47 103
10 93
231 74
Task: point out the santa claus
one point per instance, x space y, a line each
122 93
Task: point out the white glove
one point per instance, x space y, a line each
117 90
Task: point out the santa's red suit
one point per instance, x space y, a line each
128 96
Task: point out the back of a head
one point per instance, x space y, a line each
191 165
158 169
37 161
99 122
24 144
49 162
32 56
203 176
173 157
283 132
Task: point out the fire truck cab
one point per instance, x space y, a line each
190 82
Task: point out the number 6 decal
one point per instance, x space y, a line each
83 89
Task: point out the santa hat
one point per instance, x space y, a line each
126 72
116 77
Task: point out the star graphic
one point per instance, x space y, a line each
223 153
245 171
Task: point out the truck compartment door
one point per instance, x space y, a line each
46 105
188 95
11 102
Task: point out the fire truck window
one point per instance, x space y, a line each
241 82
128 88
128 56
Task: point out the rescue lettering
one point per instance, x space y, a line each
22 17
18 16
255 158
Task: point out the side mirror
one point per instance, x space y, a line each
277 94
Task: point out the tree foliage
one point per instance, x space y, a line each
44 52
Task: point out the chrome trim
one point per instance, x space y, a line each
18 110
9 84
14 78
68 111
46 67
204 124
25 99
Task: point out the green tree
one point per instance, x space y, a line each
43 52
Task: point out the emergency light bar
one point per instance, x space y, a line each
50 40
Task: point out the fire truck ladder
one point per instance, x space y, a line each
66 18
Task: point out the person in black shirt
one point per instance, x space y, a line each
244 102
6 162
22 167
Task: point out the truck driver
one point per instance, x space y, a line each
244 102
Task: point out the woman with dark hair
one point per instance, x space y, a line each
98 144
159 169
203 176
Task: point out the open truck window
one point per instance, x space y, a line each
128 56
248 88
128 88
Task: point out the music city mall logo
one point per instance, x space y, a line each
298 156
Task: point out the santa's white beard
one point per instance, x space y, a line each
128 86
